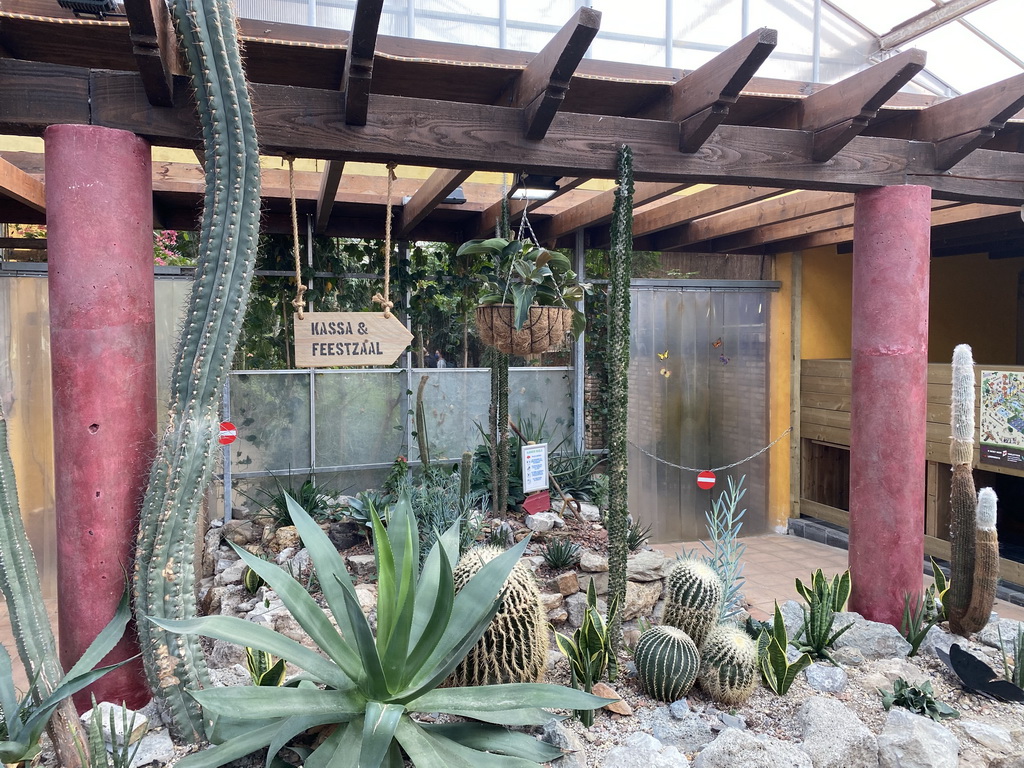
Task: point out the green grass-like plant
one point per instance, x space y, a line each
560 554
919 699
313 497
371 684
589 651
815 636
1014 672
916 622
122 753
637 535
22 721
777 672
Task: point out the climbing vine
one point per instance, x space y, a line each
617 364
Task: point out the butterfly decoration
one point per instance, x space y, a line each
663 355
717 342
723 359
977 676
665 372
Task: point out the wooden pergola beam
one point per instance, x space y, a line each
677 214
436 188
155 46
540 88
18 185
960 125
927 21
701 100
840 112
357 76
598 209
330 180
489 218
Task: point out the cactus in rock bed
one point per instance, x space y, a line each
164 575
514 648
694 594
667 662
972 580
728 665
466 475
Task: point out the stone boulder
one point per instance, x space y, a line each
834 737
873 639
648 565
826 678
989 634
640 598
735 748
544 521
915 741
689 733
641 750
591 562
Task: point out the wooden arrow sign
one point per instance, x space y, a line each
329 339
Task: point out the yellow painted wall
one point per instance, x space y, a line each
826 304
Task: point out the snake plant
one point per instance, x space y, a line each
777 672
815 636
374 684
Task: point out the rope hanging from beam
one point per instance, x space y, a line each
300 290
383 300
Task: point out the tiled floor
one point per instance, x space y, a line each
771 565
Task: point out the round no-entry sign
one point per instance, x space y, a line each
228 433
706 479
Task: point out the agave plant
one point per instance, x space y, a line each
373 685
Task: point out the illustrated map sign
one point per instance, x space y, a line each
228 433
706 480
1002 418
535 467
329 339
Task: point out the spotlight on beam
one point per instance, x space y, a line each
533 187
98 9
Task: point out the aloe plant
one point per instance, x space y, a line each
165 576
23 721
372 683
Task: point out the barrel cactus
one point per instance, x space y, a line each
728 670
667 662
694 594
514 648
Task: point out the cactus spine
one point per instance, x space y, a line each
694 595
973 579
728 671
514 648
667 662
33 634
164 575
466 476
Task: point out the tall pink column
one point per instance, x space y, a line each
103 348
891 249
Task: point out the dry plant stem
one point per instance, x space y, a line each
33 634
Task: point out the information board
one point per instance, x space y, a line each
1002 418
535 467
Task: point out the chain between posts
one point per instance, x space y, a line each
712 469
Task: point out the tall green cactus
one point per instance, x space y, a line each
973 579
164 575
33 634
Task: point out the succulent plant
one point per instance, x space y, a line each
560 554
667 662
728 669
514 647
694 594
589 650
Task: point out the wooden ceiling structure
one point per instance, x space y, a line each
725 161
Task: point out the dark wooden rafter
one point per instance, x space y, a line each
840 112
540 89
708 202
330 180
357 76
18 185
598 209
960 125
155 46
701 100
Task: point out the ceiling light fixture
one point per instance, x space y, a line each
533 187
99 9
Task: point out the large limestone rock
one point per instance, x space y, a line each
641 750
640 598
735 748
873 639
648 565
689 733
834 737
915 741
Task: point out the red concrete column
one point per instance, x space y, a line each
891 250
99 219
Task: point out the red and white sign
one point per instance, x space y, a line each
706 480
228 433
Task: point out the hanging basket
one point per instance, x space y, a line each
544 330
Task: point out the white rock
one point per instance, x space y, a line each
544 521
648 565
640 598
113 714
834 737
156 747
591 562
914 741
736 749
990 735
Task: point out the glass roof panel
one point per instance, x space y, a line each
1002 21
962 59
882 15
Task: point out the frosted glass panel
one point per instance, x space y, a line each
271 413
359 417
455 401
698 396
543 395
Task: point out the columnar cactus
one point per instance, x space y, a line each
693 600
514 648
972 581
466 476
986 562
728 669
164 573
667 662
